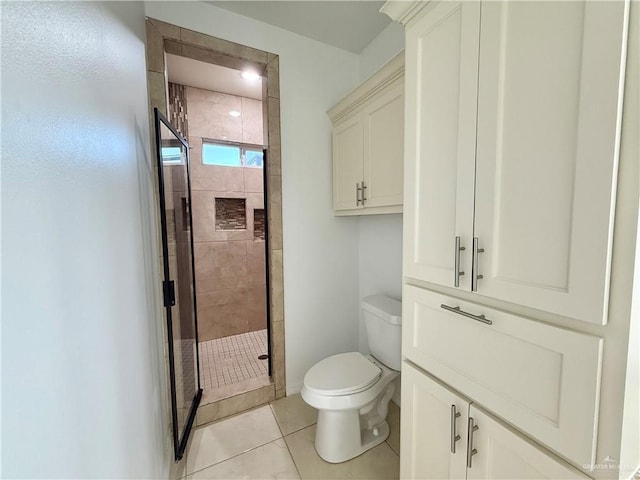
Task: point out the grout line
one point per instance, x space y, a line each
392 449
276 419
294 431
302 428
281 437
237 455
295 464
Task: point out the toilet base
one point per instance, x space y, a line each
345 440
349 425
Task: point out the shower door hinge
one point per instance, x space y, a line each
169 293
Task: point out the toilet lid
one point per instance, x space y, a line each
342 374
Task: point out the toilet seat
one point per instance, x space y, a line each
342 374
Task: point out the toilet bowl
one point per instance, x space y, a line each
352 391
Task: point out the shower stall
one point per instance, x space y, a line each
221 118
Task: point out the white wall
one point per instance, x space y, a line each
83 392
379 236
381 49
320 250
380 261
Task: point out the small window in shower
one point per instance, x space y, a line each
222 155
232 154
258 224
253 158
231 214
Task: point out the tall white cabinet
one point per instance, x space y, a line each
521 126
550 92
517 122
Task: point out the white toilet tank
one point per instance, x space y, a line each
383 321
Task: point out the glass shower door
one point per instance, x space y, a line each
178 284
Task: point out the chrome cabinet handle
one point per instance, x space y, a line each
479 318
470 450
474 274
364 188
454 437
358 191
456 262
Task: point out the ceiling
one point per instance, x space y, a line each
349 25
208 76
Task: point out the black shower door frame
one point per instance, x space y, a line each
180 439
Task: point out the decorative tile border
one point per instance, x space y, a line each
178 115
258 224
164 38
231 213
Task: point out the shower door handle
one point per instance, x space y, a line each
169 293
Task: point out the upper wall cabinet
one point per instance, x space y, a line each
513 116
368 139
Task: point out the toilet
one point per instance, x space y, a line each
352 391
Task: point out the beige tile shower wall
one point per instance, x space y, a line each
230 264
209 116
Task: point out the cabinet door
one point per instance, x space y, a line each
428 427
501 453
542 379
384 147
348 154
441 85
549 106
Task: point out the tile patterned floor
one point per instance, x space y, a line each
231 360
276 442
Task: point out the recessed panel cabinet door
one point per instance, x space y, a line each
348 155
501 453
441 81
384 140
432 417
549 109
542 379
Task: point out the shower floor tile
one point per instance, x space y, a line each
229 361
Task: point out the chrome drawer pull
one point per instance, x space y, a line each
456 264
479 318
454 437
474 272
470 450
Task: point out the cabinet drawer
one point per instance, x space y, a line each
540 378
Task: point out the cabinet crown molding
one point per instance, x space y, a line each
387 74
403 11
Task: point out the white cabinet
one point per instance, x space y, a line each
540 378
368 144
513 126
499 452
432 418
441 75
549 110
445 436
517 163
384 148
348 159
